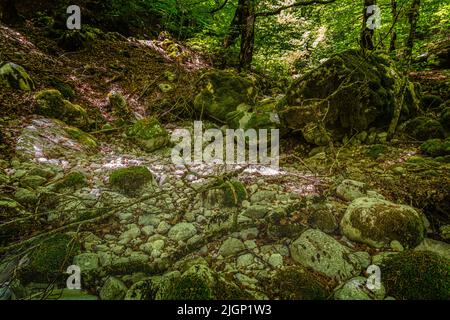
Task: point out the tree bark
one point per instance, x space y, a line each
393 44
243 26
247 35
413 19
366 40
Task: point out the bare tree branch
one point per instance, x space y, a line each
296 4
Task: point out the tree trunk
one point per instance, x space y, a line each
413 19
243 26
8 12
366 40
247 35
393 43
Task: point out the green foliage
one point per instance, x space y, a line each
235 192
417 275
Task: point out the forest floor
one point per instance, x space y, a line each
178 221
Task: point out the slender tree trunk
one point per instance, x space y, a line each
413 19
393 44
8 12
243 26
366 40
235 26
247 36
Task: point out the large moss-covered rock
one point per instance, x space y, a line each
49 261
51 103
378 222
197 283
14 76
53 139
436 147
322 253
149 134
221 92
423 128
350 92
417 275
131 180
69 183
298 283
113 289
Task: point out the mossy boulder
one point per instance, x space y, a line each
149 134
417 275
436 147
196 283
378 222
51 103
113 289
423 128
49 261
199 282
14 76
298 283
73 181
131 180
349 92
221 92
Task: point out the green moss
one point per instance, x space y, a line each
389 225
234 192
50 103
84 138
221 92
149 134
375 151
417 275
357 91
49 261
189 287
436 147
423 128
297 283
430 101
13 75
119 106
72 181
195 284
445 118
130 180
65 89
